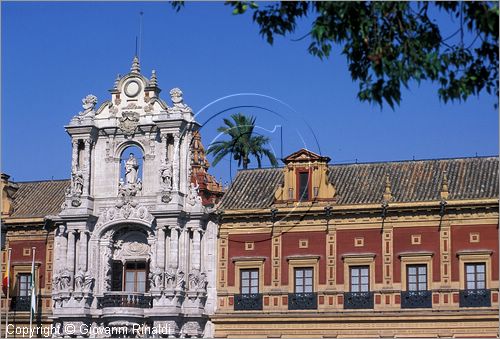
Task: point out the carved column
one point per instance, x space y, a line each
74 155
71 253
174 247
160 248
185 170
86 184
82 260
175 163
196 248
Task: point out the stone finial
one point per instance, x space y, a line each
388 188
153 82
136 67
444 186
116 81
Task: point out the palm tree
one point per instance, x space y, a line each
243 143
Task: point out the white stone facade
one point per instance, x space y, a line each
142 210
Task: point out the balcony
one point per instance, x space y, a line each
475 298
122 299
416 299
248 302
358 300
302 301
20 304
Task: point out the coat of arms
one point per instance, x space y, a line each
129 122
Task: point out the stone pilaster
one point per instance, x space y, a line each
87 160
82 258
174 248
175 167
70 259
331 250
160 248
196 250
74 155
387 249
445 257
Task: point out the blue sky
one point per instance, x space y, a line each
54 54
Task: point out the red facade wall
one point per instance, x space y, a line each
17 257
430 239
290 247
460 241
262 248
372 244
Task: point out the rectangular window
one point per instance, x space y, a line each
249 281
135 277
303 280
303 186
475 276
416 277
360 278
24 284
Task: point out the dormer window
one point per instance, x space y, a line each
303 186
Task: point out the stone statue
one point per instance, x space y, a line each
89 103
79 279
156 278
88 282
202 282
65 279
166 176
77 183
56 282
193 280
193 197
131 169
178 101
181 281
170 278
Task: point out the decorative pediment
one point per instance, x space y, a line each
304 155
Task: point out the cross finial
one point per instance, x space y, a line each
388 188
136 67
444 186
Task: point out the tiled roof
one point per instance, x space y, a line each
39 198
421 180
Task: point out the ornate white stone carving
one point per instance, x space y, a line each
88 104
129 122
178 101
193 198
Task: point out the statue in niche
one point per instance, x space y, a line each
131 169
88 104
181 281
77 183
178 101
170 278
79 279
166 176
64 279
88 282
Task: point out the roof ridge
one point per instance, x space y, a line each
414 160
37 181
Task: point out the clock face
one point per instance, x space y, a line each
132 88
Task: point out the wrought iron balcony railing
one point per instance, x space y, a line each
248 302
358 300
125 300
20 304
475 298
416 299
303 301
